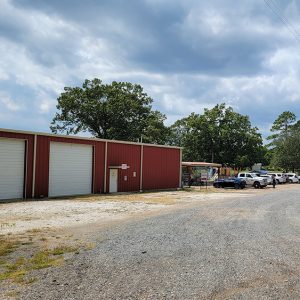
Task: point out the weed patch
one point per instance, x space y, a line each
17 270
34 230
12 294
7 246
62 249
5 225
90 246
44 259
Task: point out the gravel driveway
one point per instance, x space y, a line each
19 217
239 248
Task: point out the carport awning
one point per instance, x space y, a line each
200 164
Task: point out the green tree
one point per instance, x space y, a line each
285 142
282 125
218 135
119 110
286 153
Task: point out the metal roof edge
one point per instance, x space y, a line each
203 164
85 138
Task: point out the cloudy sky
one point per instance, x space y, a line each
187 54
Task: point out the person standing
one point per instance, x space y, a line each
273 181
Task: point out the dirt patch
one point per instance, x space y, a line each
20 217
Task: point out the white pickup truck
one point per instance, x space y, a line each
253 180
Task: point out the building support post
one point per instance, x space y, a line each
180 169
34 165
105 167
141 170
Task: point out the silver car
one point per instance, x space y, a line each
292 178
278 177
269 178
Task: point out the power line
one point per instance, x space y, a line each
276 11
274 8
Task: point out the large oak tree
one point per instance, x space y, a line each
119 110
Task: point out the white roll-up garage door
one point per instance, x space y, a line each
12 166
70 169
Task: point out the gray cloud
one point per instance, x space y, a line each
187 54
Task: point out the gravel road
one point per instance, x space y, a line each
240 248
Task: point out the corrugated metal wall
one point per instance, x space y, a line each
118 154
42 163
99 165
29 155
161 168
42 167
161 165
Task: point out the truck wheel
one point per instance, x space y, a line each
236 186
256 185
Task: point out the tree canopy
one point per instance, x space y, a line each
281 125
123 111
286 153
285 145
218 135
119 110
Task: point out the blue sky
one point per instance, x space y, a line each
188 55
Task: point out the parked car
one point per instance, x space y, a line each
285 178
268 177
253 180
236 183
292 178
278 177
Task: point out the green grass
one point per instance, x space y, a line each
43 259
16 265
17 270
15 276
7 246
63 249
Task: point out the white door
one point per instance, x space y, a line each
113 180
70 169
12 167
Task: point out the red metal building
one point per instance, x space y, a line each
37 165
